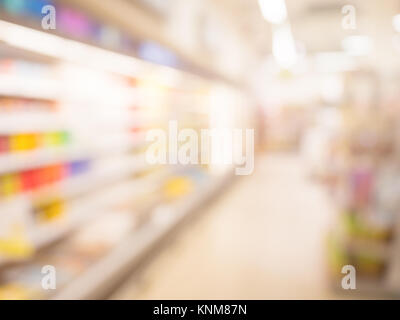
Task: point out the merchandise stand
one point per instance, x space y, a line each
128 254
364 186
76 190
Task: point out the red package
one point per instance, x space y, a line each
56 173
30 180
4 144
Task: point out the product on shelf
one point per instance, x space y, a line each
15 245
31 180
15 242
33 141
49 210
177 187
71 257
369 265
366 191
98 107
14 291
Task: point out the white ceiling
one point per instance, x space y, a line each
315 23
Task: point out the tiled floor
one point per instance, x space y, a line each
262 239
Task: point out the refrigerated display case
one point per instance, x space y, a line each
76 191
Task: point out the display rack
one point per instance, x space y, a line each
72 153
363 183
122 259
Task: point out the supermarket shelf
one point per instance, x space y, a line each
103 276
14 162
82 211
29 122
28 87
69 50
58 48
84 183
25 121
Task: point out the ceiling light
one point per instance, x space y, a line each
283 47
273 11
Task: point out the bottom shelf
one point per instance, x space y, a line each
100 279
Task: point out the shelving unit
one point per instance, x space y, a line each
105 102
364 188
129 252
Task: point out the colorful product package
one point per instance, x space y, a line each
4 144
9 185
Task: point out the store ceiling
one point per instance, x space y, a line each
248 20
316 24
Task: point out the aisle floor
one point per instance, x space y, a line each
262 239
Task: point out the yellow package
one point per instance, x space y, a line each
9 185
18 142
51 139
31 141
14 291
177 187
52 212
16 245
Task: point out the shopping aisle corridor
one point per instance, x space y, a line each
262 239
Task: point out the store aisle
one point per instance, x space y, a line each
262 239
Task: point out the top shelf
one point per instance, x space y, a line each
66 50
28 88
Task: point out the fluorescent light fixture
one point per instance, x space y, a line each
357 45
396 22
273 11
283 47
